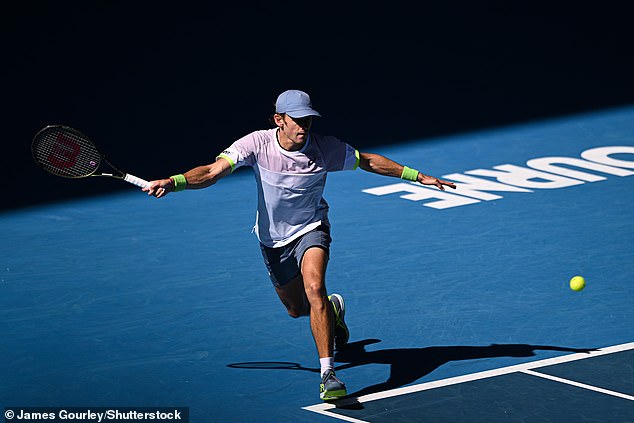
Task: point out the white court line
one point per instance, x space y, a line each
324 408
579 384
318 410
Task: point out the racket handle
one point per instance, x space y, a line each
136 181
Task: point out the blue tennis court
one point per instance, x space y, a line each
458 302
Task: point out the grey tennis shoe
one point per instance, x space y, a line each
331 388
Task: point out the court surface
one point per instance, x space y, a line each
458 303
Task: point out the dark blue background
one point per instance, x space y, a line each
164 87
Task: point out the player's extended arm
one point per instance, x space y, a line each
381 165
196 178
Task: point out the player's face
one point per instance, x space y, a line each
294 129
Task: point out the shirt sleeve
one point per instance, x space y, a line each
339 155
351 161
241 152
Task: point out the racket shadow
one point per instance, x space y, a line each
272 365
407 365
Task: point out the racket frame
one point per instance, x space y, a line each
134 180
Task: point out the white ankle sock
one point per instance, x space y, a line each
327 363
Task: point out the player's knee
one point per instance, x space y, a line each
316 296
314 290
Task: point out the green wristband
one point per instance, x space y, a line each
409 174
180 183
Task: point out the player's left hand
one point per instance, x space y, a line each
432 180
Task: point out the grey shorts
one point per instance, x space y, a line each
284 263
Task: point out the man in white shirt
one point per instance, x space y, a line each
291 164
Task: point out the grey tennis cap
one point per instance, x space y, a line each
295 103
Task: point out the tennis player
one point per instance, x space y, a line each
290 164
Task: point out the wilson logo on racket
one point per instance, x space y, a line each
64 152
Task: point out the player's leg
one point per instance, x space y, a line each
313 271
298 271
322 320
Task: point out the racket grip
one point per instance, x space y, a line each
136 181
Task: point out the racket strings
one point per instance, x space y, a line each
66 153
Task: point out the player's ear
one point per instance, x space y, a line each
278 119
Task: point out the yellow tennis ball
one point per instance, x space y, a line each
577 283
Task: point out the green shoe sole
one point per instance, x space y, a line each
333 395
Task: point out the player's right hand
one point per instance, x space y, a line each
159 188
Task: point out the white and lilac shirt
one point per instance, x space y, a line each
290 183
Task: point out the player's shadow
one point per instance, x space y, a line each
407 365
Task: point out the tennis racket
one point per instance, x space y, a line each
66 152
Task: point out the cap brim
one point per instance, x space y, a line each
303 113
